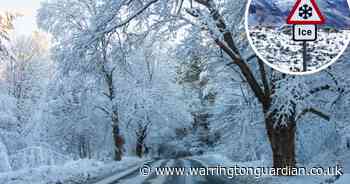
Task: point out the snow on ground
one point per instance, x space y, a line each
276 46
73 172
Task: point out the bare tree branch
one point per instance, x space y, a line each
251 57
123 23
229 47
332 76
247 73
326 87
103 109
313 111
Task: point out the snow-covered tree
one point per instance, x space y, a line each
195 57
26 74
105 45
92 45
282 100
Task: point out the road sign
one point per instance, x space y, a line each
304 16
305 12
305 32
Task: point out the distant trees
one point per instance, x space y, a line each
155 98
69 120
193 74
27 73
24 75
24 78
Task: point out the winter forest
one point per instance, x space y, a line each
106 86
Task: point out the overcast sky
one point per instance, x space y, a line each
27 23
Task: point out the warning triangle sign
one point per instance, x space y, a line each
306 12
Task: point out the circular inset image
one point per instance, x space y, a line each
298 36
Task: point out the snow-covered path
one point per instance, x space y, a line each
133 176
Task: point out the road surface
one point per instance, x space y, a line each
134 175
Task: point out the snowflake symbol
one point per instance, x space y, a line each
305 11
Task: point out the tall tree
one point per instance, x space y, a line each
281 97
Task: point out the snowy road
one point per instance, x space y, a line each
133 176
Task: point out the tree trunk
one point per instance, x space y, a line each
141 135
84 147
201 126
139 148
282 140
117 138
118 145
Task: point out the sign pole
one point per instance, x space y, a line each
304 56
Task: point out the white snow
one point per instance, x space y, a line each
277 47
76 171
4 159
